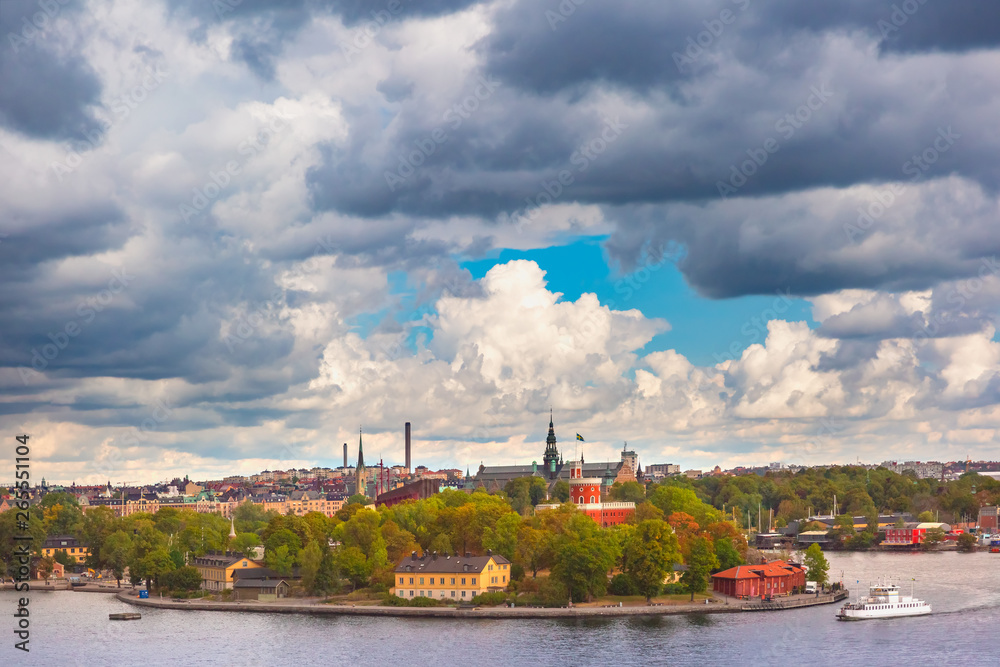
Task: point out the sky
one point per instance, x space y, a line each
726 232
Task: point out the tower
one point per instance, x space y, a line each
551 457
408 447
345 456
360 479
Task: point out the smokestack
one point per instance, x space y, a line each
345 454
407 446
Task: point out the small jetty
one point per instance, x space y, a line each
128 616
780 604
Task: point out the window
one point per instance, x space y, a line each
400 580
473 581
505 578
453 594
411 594
244 563
463 582
421 581
411 581
453 581
463 594
432 581
592 499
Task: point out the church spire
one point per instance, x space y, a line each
551 457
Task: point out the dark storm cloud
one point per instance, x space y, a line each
45 92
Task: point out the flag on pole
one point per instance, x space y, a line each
579 437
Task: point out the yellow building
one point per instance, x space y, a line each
53 545
445 577
217 570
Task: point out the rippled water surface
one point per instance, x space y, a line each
73 629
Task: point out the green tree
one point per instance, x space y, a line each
933 537
358 499
582 566
245 544
353 565
155 564
309 561
560 491
280 559
185 578
650 555
926 516
116 553
327 575
967 542
727 554
284 538
700 563
817 565
631 492
502 538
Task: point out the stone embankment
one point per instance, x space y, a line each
718 605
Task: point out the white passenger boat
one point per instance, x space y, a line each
883 601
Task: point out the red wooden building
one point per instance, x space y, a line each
776 578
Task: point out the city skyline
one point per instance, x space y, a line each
728 233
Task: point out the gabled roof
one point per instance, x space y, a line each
778 568
448 564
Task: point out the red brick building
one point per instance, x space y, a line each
912 533
419 490
988 519
776 578
585 493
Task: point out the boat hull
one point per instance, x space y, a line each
870 615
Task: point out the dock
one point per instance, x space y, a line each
128 616
795 603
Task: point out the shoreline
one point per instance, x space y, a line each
715 607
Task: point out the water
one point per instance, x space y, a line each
70 628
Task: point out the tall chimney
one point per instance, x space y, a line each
408 447
345 454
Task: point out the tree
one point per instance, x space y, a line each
246 544
327 575
284 538
116 553
45 567
502 538
582 566
967 542
560 491
727 554
701 562
155 564
817 565
399 543
633 492
933 537
352 564
309 561
650 555
184 578
358 499
926 516
280 560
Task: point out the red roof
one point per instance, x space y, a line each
778 568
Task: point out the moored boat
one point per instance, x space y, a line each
883 601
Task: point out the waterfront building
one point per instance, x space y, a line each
913 533
587 494
418 490
775 578
66 544
988 519
448 577
218 570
